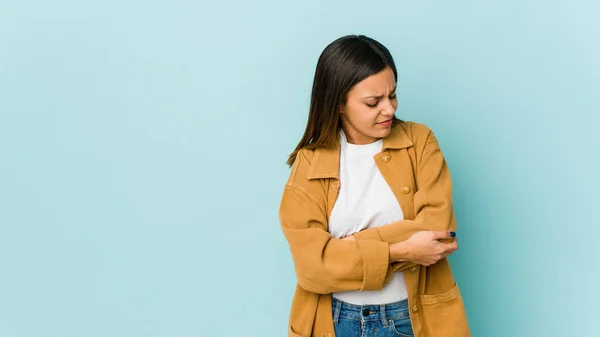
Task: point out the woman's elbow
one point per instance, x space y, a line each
312 280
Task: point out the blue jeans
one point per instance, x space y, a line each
386 320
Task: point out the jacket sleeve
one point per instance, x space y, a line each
324 264
432 200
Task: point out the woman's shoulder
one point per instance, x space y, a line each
413 130
421 136
301 166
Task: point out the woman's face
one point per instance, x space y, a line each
370 105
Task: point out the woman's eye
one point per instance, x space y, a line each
393 96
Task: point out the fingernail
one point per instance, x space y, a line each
452 234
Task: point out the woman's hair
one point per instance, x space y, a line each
344 62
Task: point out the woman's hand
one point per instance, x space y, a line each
425 248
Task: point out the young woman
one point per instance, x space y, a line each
367 210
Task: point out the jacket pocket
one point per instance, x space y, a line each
444 314
291 333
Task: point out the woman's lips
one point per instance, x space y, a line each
386 123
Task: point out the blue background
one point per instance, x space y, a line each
142 151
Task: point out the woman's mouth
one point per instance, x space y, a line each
386 123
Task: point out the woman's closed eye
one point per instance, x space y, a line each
392 96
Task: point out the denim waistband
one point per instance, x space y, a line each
373 312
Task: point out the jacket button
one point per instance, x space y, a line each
413 269
415 308
405 189
386 157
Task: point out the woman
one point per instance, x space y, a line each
367 210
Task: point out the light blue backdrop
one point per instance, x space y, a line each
142 150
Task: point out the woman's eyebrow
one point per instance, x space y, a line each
378 97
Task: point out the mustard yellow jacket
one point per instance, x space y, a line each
412 164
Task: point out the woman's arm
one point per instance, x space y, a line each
424 248
432 200
325 264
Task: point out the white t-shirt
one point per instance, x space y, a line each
365 200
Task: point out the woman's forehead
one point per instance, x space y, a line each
376 85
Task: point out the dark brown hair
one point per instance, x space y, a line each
344 62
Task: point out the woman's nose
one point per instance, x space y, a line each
388 109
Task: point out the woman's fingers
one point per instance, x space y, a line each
449 248
440 235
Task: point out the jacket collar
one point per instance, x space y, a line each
326 161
